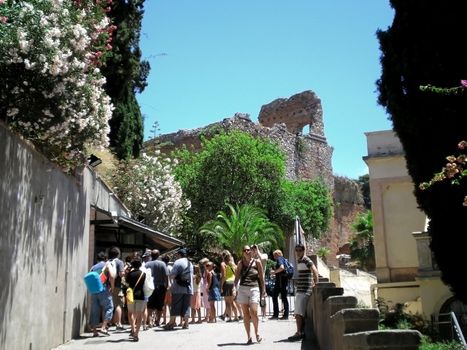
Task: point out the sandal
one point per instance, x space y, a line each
249 342
169 327
258 338
295 337
105 332
185 326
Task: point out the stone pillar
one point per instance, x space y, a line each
397 339
426 265
316 300
332 305
321 292
348 321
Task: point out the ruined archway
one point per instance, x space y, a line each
302 114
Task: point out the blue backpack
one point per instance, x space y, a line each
93 282
289 269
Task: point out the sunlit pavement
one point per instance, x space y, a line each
220 335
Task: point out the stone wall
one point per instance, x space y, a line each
295 112
335 323
348 203
308 156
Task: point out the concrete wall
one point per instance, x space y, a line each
44 224
356 284
405 269
395 212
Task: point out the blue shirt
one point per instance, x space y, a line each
180 266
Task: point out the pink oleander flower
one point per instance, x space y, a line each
464 83
3 19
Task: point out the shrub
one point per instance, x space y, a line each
52 88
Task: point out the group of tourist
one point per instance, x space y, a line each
184 288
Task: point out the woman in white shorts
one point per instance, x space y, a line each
250 274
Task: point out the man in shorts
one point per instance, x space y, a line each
182 289
117 293
160 275
307 277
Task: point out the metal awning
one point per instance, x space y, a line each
121 225
168 242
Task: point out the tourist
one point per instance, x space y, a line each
214 293
160 275
280 286
182 289
228 268
135 280
196 297
117 292
307 277
101 303
249 275
256 253
204 288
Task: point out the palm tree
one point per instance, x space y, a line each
244 225
361 243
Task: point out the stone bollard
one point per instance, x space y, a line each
321 321
317 300
348 321
397 339
332 305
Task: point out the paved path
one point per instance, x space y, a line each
220 336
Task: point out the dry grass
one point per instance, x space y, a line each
107 169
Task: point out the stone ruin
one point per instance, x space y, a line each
296 112
308 155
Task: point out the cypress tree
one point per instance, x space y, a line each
126 75
423 47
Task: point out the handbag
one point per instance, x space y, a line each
130 299
148 286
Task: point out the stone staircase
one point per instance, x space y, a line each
335 323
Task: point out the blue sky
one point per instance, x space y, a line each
210 59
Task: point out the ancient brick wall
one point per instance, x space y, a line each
295 112
308 156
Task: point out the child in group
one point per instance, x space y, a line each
196 297
204 288
213 290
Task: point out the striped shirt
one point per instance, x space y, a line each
304 280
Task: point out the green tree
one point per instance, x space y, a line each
231 168
126 75
310 201
421 48
364 182
361 242
244 224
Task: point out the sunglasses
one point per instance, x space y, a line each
246 250
299 250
